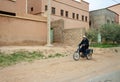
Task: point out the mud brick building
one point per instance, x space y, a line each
26 21
103 16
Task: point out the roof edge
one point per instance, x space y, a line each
113 5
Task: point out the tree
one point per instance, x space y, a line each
110 33
117 34
92 35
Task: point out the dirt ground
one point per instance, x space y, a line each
63 69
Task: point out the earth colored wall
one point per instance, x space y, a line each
15 6
25 30
73 36
66 36
116 9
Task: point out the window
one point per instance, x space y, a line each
112 21
77 16
46 7
82 17
62 12
86 18
31 9
90 23
108 21
73 15
66 13
53 10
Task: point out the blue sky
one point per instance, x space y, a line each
98 4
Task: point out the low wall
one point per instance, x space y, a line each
58 27
24 30
67 36
73 36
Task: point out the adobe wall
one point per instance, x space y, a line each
73 36
71 23
19 6
67 36
9 8
82 4
101 17
81 8
116 9
25 30
58 27
36 5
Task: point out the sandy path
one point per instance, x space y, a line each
63 69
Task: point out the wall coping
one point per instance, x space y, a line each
74 6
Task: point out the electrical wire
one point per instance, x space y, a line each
115 1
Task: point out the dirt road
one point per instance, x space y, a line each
63 69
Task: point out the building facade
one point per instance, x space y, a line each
74 16
13 7
103 16
19 28
74 13
116 9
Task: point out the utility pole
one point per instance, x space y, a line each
49 23
26 6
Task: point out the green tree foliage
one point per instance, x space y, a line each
92 35
110 33
117 33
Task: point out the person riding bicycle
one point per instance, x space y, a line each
83 45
